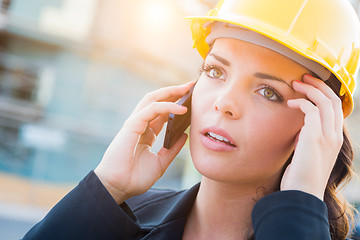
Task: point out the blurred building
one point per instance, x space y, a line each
70 74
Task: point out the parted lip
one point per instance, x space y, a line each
219 131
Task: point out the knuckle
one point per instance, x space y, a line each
128 122
150 96
154 105
314 109
340 140
302 102
337 101
326 101
159 106
316 138
336 140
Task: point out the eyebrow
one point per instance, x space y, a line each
257 74
220 59
271 77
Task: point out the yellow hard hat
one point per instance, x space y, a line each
324 31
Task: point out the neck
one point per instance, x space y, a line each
223 210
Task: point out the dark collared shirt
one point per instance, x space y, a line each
89 212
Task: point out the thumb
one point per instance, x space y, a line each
166 156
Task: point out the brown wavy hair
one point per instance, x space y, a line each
340 212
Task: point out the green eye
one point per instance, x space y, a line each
213 72
216 73
270 94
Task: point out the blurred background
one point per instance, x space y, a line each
70 74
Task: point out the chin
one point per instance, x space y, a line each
221 171
219 168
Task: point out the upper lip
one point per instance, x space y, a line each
219 131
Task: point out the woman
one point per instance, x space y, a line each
266 134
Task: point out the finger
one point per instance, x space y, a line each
167 155
138 122
153 130
170 94
157 124
136 125
323 104
312 116
336 101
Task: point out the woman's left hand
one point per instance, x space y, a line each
319 140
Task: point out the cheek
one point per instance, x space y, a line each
275 134
200 103
270 144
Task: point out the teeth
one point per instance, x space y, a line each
218 137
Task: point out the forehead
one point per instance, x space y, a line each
235 50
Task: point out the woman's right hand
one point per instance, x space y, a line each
129 167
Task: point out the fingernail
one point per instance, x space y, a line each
308 76
298 81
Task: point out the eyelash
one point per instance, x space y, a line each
207 68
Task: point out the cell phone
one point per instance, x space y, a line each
177 124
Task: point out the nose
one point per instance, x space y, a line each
228 103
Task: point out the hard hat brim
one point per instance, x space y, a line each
197 27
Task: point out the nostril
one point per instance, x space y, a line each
229 113
226 108
224 111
